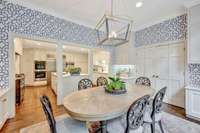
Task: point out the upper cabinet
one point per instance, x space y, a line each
194 34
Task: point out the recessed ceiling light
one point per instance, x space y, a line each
139 4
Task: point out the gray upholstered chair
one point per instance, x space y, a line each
153 114
143 81
67 125
132 121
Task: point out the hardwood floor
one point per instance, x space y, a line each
30 111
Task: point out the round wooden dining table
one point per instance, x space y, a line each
94 104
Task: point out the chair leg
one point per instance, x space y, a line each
153 127
161 127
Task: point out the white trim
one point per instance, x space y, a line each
192 3
49 12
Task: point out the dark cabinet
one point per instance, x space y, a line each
20 87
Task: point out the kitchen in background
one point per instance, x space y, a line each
101 61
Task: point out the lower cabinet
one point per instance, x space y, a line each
54 83
3 110
192 103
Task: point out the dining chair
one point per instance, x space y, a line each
143 81
132 121
84 84
67 125
101 81
153 114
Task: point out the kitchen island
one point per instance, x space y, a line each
69 83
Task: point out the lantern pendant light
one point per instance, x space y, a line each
112 30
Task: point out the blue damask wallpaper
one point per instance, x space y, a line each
19 19
194 75
169 30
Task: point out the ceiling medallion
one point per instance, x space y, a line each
112 30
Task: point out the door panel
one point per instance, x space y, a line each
139 62
177 74
162 69
165 66
149 66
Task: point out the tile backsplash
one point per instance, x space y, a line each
194 75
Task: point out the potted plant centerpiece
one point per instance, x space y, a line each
115 86
75 71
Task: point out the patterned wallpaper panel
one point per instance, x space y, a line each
194 75
169 30
19 19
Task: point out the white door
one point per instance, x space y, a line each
161 66
140 62
165 66
149 65
177 74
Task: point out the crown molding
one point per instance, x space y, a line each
48 12
191 3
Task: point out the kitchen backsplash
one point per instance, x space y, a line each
194 75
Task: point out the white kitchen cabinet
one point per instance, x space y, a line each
194 34
54 83
3 109
192 102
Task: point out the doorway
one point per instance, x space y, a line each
35 61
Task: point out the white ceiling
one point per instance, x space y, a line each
88 12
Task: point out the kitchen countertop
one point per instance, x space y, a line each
127 78
100 72
68 75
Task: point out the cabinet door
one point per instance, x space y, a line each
161 65
140 62
176 74
149 65
193 108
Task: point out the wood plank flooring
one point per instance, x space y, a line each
30 111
